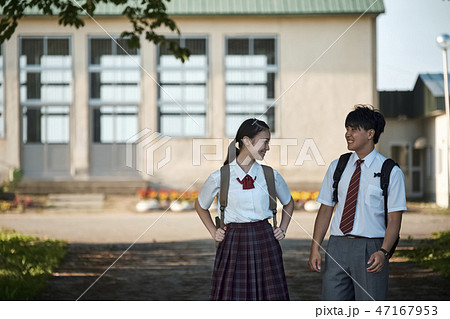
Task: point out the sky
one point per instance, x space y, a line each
406 41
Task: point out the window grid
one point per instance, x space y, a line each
182 94
250 72
45 64
114 91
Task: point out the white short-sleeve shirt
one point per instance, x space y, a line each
244 205
369 216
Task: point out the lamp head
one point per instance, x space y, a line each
443 41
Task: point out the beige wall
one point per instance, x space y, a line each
431 159
313 108
442 187
406 132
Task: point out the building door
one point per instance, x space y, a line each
45 98
114 97
411 162
417 182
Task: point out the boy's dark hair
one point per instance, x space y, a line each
366 117
249 128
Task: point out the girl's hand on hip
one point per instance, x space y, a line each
220 234
278 233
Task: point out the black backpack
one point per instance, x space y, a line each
384 175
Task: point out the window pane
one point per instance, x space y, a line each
265 47
58 47
56 93
119 93
55 124
123 45
107 128
246 93
194 125
94 90
197 46
33 50
238 47
171 93
183 89
164 51
194 93
235 76
100 48
126 123
250 66
172 125
32 123
33 86
181 125
171 77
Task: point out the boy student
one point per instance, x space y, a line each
356 263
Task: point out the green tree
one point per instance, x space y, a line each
145 17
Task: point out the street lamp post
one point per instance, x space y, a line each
443 41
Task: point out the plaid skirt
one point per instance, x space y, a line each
249 264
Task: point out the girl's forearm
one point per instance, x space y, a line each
206 219
286 215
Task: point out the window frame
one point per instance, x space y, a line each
270 68
183 70
97 104
39 104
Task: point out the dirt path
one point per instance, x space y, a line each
182 271
174 259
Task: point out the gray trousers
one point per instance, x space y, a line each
344 274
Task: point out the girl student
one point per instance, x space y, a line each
248 263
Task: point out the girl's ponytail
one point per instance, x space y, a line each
233 152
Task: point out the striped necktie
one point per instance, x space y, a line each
348 215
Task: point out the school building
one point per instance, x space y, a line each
415 137
79 108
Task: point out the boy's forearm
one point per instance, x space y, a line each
321 225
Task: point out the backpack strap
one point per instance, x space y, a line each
342 163
224 186
270 181
385 175
386 169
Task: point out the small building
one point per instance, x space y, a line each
415 137
79 106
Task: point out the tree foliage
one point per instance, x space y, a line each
145 17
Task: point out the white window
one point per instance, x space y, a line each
45 88
114 93
182 90
251 67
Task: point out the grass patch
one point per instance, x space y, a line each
432 253
26 262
